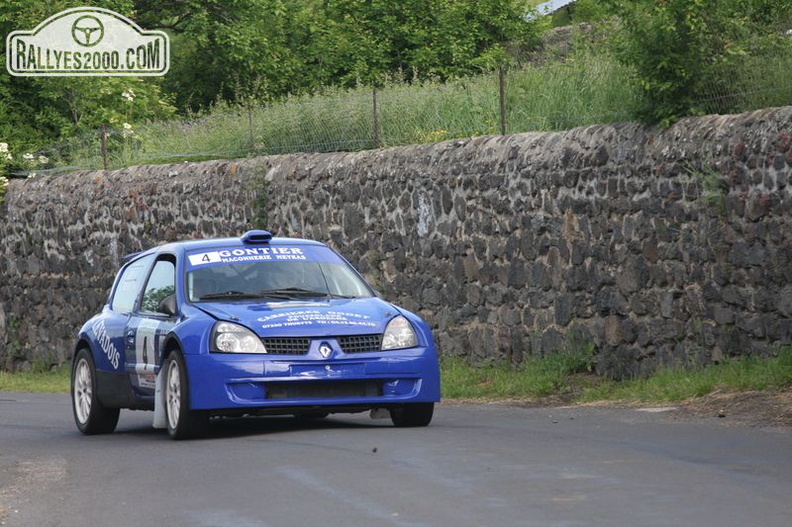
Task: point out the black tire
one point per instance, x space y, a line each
183 423
412 415
90 415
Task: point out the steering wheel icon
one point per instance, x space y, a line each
87 31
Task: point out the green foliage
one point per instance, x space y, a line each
712 185
5 158
587 88
588 11
580 11
39 379
152 298
251 52
671 385
540 377
3 187
14 348
415 37
230 49
261 66
39 110
535 377
564 373
683 49
267 49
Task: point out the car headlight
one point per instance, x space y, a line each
233 338
399 334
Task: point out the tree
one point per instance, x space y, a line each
235 49
367 40
681 49
229 49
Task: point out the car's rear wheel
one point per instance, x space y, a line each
90 415
412 415
183 423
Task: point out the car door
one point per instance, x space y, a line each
147 326
109 329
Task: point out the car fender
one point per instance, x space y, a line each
422 329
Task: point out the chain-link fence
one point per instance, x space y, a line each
583 89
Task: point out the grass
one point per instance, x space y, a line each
54 381
565 375
674 385
587 88
533 378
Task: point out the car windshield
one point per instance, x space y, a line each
278 280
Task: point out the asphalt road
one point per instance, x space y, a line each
476 465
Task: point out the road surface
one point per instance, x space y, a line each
476 465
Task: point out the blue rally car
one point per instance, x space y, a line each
249 326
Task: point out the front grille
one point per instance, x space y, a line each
300 345
286 345
323 389
360 343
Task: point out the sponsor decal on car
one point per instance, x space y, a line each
106 343
146 356
254 254
314 317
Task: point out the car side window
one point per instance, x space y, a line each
129 284
161 284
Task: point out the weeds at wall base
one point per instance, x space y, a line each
551 380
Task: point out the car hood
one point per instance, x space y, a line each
307 318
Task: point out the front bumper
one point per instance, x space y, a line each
250 382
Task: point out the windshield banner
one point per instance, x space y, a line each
261 254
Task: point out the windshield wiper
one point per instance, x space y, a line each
297 291
237 295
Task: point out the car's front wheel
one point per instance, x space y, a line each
90 415
412 415
183 423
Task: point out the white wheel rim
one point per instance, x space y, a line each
173 393
83 391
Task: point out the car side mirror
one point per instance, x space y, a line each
167 306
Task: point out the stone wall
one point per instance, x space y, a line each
655 247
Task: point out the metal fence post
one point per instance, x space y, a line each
103 136
375 119
502 96
251 141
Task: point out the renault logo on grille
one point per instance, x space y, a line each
325 350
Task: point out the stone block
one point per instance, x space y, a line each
614 331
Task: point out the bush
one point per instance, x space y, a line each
683 50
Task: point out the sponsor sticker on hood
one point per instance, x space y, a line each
316 317
333 317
